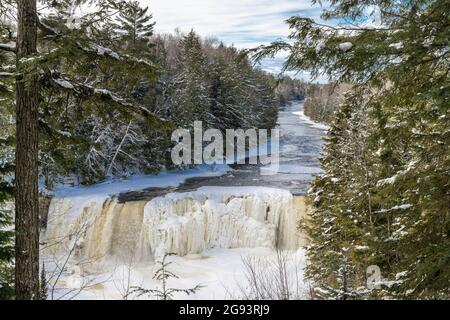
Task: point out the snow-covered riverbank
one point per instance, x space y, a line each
304 118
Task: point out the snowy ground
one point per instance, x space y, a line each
309 121
221 272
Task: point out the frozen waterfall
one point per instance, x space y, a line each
180 223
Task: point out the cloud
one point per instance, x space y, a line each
243 23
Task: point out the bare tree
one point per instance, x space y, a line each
268 278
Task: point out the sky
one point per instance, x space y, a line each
242 23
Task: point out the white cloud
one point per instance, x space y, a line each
245 23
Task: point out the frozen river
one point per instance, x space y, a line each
300 146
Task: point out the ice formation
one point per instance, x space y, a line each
180 223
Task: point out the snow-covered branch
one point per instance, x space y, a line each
46 29
6 74
11 47
88 91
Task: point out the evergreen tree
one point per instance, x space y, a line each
94 115
7 142
65 76
191 89
6 218
135 26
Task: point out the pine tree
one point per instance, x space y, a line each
7 142
134 23
64 76
163 275
26 162
6 232
190 99
97 85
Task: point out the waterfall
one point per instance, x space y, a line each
180 223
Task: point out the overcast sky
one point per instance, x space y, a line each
244 23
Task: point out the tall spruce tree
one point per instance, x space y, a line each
7 142
135 27
26 162
191 87
6 206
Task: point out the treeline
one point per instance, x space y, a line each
381 222
289 89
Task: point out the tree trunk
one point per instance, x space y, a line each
27 202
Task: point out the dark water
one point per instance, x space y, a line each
300 147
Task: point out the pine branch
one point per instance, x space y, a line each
46 29
87 91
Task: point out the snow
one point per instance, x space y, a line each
64 133
397 45
210 229
384 182
181 223
83 196
108 93
104 51
305 119
345 46
6 74
401 207
400 275
221 217
8 46
220 271
361 248
64 83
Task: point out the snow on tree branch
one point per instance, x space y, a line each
88 91
11 47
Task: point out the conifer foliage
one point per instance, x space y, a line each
384 199
135 27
